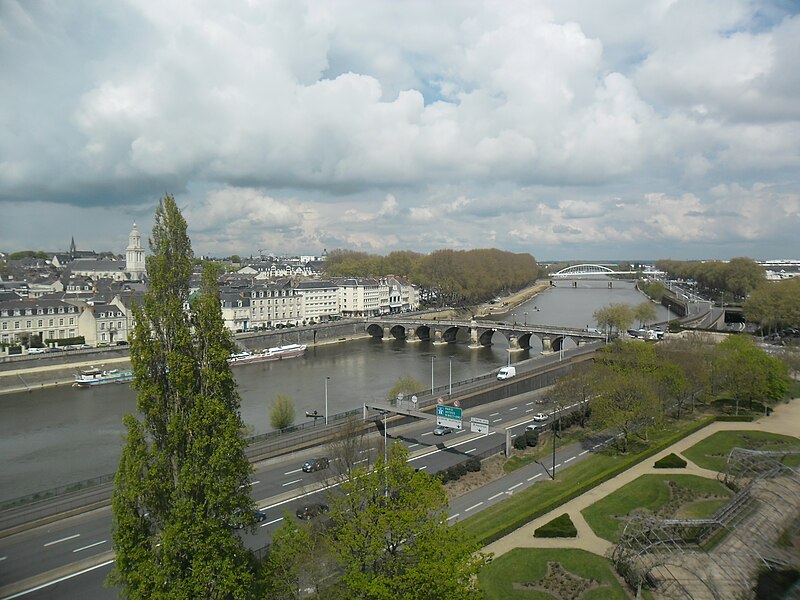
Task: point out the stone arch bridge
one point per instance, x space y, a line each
480 333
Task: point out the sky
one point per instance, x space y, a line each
570 130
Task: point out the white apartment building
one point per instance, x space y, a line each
274 304
320 299
359 297
103 322
48 318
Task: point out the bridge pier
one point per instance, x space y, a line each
411 335
547 343
438 337
513 344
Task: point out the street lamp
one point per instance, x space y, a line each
326 399
451 376
432 357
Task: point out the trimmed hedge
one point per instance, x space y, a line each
561 526
735 418
456 472
670 461
581 488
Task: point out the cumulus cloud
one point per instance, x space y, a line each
388 125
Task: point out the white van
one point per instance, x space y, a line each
506 372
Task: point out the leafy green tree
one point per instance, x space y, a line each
693 354
347 448
281 413
614 317
626 402
298 559
576 387
392 537
748 373
406 385
181 476
645 313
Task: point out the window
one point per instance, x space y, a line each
40 323
102 325
61 321
5 325
16 324
49 322
119 324
103 337
72 320
27 324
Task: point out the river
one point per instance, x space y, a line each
57 436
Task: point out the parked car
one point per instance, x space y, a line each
309 511
442 430
536 427
539 417
37 350
315 464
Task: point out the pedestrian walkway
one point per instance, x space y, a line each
785 420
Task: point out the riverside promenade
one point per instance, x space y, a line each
785 420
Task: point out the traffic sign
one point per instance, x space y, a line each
448 416
477 425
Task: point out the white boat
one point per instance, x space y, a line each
275 353
94 376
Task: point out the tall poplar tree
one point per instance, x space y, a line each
180 480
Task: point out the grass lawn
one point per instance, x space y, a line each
524 506
712 452
529 566
700 498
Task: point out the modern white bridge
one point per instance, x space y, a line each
592 269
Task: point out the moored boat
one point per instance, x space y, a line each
275 353
94 376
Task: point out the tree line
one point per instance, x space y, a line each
631 385
774 305
446 277
734 278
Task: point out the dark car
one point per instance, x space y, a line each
258 517
309 511
315 464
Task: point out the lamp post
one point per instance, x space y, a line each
451 376
326 399
432 357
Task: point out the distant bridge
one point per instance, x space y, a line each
590 269
480 333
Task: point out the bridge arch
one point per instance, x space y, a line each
583 269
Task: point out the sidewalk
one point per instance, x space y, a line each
784 420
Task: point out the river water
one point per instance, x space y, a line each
58 436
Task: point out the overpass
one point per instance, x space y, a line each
592 269
480 333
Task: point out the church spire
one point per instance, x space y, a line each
72 249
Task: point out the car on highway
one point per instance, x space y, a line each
309 511
315 464
536 427
539 417
238 523
442 430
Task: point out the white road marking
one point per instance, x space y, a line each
515 486
453 516
271 522
429 433
528 403
494 414
360 461
496 420
530 410
582 453
293 472
495 496
468 451
255 482
596 446
413 445
569 459
461 431
534 477
59 580
368 450
423 467
473 506
89 546
71 537
558 465
291 482
3 558
513 408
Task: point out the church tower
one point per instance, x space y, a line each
134 255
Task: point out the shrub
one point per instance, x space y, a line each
461 469
734 417
561 526
521 442
531 438
670 461
473 465
453 474
443 476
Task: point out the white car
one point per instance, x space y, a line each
539 417
37 350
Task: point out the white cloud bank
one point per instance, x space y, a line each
555 127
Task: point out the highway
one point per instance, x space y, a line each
44 556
